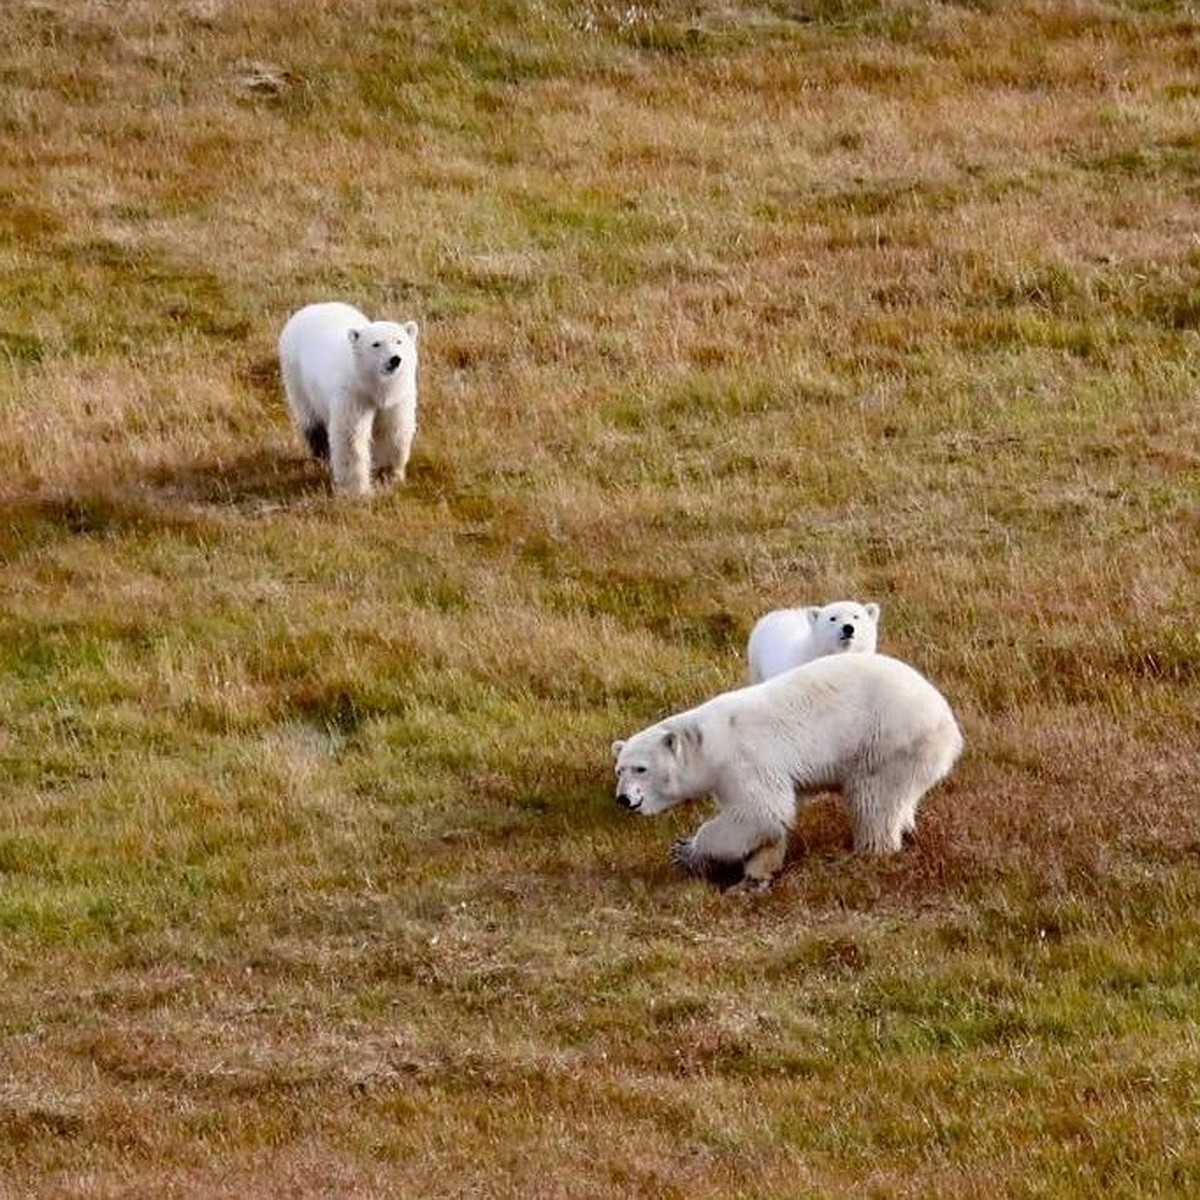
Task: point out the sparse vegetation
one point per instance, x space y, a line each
311 882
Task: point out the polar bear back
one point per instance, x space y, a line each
822 722
790 637
315 353
778 642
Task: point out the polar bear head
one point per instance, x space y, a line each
661 766
844 625
384 351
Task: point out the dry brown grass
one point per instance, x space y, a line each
310 879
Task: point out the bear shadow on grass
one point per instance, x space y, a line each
272 473
262 479
255 483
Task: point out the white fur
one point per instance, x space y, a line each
866 725
351 385
790 637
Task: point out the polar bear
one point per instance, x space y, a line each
789 637
351 385
866 725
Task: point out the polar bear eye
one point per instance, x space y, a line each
374 345
639 770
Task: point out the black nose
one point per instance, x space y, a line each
624 801
393 362
847 631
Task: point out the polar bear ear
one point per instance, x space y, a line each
813 614
617 747
354 335
872 611
410 327
688 738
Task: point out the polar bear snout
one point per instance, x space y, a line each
629 794
848 632
392 365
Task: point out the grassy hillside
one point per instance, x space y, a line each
311 880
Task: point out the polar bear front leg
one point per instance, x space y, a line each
392 442
734 850
350 450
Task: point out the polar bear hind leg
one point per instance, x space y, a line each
879 807
317 437
309 425
882 804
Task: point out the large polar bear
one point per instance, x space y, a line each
351 385
789 637
865 724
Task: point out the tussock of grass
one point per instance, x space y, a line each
310 877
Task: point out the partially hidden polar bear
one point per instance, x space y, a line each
351 385
790 637
866 725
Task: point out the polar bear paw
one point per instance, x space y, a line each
724 872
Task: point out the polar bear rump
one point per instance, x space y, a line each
865 725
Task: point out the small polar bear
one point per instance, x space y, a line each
866 725
790 637
351 385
